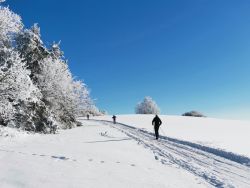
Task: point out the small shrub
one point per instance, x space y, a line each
193 114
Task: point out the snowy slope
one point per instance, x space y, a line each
101 154
94 155
229 135
219 168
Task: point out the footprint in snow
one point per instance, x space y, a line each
90 160
60 157
102 161
132 165
156 157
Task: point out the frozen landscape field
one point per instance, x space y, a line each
229 135
101 154
65 66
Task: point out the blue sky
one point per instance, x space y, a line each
186 55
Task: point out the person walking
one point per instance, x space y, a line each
114 119
87 116
156 123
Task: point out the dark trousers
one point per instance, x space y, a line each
157 131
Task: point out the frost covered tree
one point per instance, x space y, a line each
83 100
91 109
147 106
19 97
14 83
60 92
37 89
10 25
50 72
32 50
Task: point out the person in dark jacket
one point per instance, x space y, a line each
157 123
114 119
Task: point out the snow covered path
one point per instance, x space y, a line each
92 156
216 170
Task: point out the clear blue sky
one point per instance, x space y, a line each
186 55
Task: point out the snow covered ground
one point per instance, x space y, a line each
101 154
229 135
94 155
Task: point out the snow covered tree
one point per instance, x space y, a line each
83 100
10 86
47 71
91 109
55 82
10 25
56 52
50 72
20 104
15 86
20 99
37 89
32 50
147 106
65 96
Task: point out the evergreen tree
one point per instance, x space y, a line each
32 50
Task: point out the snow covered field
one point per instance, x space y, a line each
229 135
94 155
101 154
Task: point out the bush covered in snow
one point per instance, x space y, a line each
147 106
193 114
37 90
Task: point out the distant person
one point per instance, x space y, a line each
87 116
114 119
157 123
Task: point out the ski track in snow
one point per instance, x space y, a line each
219 168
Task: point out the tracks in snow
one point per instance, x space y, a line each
214 167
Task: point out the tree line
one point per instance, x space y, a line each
37 90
